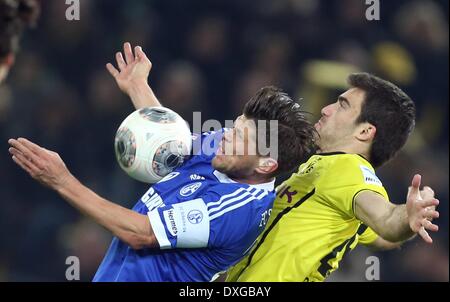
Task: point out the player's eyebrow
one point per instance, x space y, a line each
344 100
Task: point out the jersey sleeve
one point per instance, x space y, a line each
345 179
217 219
367 237
236 216
181 225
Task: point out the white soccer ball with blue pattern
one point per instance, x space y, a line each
151 143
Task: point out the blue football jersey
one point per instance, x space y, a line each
204 223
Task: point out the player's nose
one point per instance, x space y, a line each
327 110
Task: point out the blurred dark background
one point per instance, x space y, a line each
209 56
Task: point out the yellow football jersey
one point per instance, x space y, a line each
312 225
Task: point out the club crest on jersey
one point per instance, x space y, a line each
195 216
309 167
190 189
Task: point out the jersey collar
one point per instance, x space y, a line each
330 153
223 178
337 153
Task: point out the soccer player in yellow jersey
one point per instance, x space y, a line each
335 200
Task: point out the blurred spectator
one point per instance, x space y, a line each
85 240
15 16
182 87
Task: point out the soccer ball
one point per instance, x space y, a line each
151 143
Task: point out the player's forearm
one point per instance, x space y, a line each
127 225
396 227
386 219
142 96
380 244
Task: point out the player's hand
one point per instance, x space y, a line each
43 165
133 70
428 193
421 208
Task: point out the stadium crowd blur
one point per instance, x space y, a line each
209 56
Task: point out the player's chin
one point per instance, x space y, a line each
318 127
219 162
216 161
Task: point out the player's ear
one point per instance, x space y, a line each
366 132
267 165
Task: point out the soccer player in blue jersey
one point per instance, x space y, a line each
202 218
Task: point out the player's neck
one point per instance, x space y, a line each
252 180
350 148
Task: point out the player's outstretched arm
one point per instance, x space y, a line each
398 223
381 244
131 76
48 168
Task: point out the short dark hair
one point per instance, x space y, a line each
390 110
296 135
15 16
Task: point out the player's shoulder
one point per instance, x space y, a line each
241 214
341 158
351 168
237 199
239 190
349 163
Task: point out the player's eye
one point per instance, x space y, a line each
343 102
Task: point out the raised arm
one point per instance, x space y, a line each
131 76
398 223
48 168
